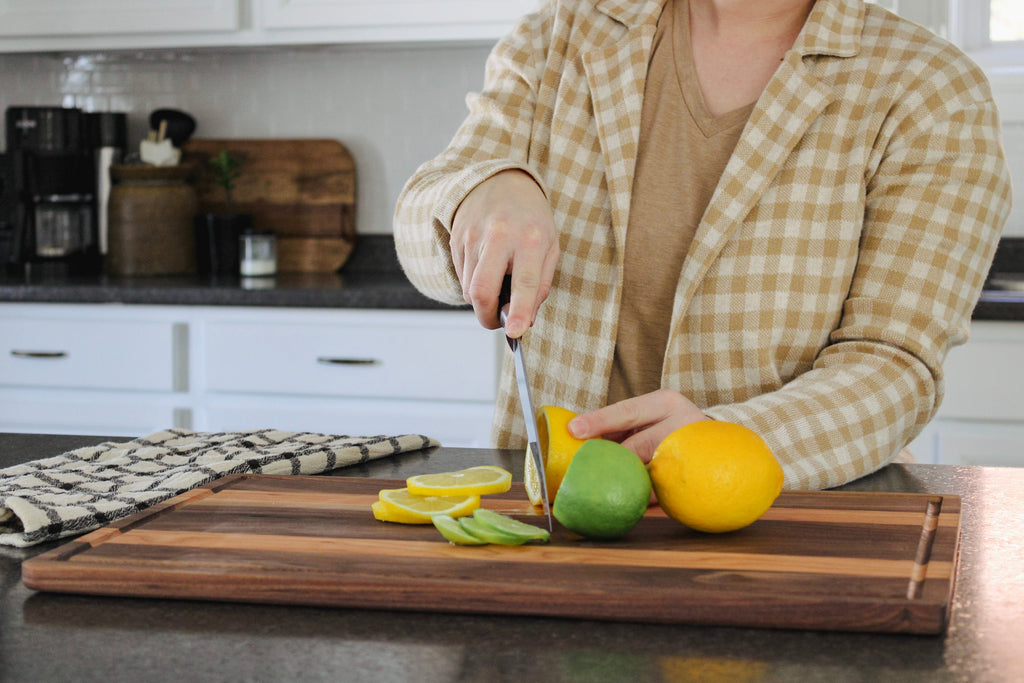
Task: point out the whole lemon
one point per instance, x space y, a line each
605 491
715 476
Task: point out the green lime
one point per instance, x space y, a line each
605 491
473 527
453 531
513 527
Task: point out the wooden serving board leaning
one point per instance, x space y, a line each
304 190
882 562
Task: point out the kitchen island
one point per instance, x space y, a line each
57 637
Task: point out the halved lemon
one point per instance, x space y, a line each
399 505
557 448
478 481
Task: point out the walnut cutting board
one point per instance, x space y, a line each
304 190
882 562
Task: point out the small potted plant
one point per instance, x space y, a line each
217 234
226 170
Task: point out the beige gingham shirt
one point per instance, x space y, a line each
837 263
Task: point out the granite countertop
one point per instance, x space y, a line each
372 278
1002 297
54 637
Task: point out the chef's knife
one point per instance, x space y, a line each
525 400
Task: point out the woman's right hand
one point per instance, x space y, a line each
505 226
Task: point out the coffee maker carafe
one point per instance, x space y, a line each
54 218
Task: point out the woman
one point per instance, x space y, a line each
772 212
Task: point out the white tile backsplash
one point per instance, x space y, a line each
393 107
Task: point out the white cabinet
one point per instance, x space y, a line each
453 423
981 419
99 353
87 412
378 356
53 18
90 370
130 370
361 21
42 25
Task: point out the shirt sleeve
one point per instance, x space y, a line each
935 205
494 137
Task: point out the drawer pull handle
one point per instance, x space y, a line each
327 360
39 354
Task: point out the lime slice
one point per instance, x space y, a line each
474 527
507 525
453 531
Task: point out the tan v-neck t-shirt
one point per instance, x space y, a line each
683 150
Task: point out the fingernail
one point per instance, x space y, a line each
578 427
513 328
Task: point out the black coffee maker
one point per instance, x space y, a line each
49 193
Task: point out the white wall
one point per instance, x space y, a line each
392 107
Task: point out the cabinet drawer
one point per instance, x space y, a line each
983 380
52 18
96 354
453 423
51 412
404 359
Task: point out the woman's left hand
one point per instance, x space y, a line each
639 423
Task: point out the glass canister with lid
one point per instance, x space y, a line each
151 214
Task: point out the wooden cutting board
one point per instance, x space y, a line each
881 562
304 190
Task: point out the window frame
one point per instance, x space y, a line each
967 25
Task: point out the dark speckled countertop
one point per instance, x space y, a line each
371 278
1003 294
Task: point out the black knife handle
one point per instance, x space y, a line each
504 299
505 295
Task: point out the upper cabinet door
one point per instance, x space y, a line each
361 20
57 18
44 25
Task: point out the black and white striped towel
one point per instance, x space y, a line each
88 487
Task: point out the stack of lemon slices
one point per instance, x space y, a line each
455 494
451 502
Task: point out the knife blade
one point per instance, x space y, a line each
525 400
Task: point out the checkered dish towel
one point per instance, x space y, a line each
88 487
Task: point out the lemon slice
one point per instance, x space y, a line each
473 481
557 448
399 505
379 513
